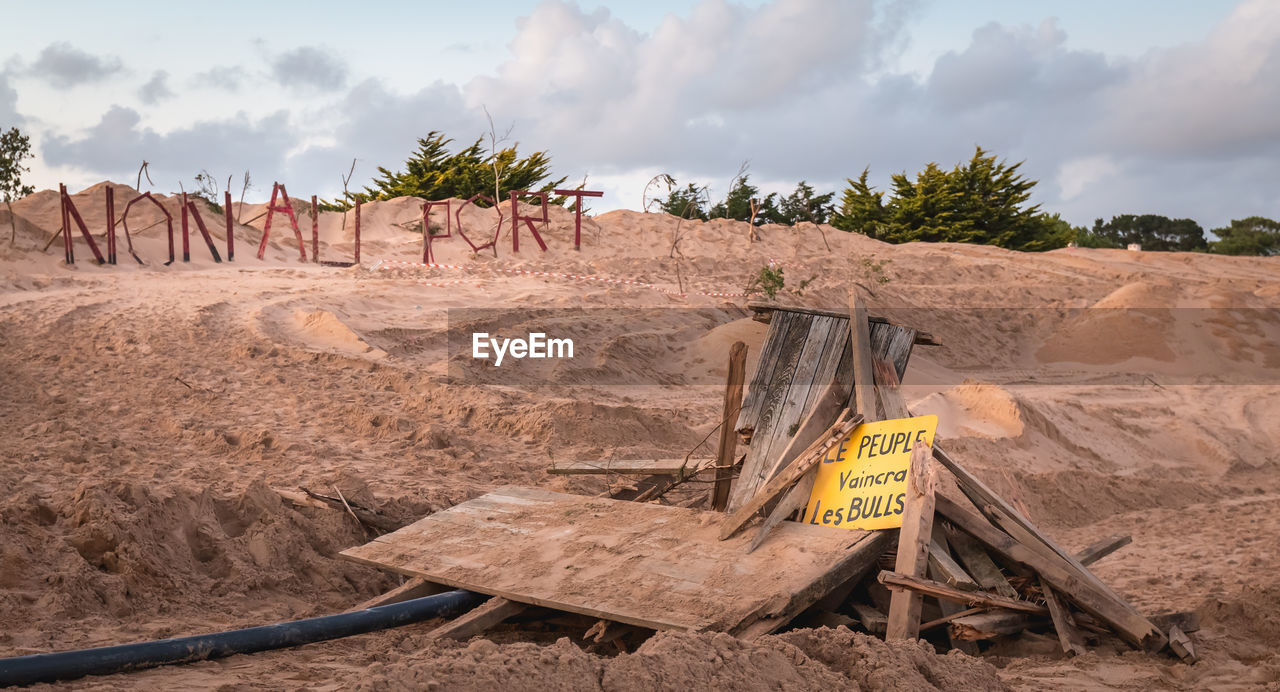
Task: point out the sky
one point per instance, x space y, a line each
1143 106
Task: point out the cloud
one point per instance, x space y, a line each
309 67
156 89
118 143
225 78
64 65
610 97
9 116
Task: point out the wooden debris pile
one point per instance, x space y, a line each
966 566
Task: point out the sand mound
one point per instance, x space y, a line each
974 409
800 660
322 330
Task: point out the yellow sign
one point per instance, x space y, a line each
862 481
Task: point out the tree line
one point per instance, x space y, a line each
984 201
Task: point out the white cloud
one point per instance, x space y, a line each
309 67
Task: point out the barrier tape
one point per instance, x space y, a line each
388 265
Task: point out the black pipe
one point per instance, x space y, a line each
67 665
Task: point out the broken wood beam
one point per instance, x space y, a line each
1108 607
913 545
954 615
871 618
1068 634
1102 548
728 436
979 564
477 620
1181 645
900 582
788 476
948 570
988 626
1188 621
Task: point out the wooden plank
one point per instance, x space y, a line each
773 408
792 411
872 619
1110 609
775 487
864 396
944 569
728 445
980 565
913 545
900 582
1181 645
1102 548
681 468
988 626
763 375
417 587
652 566
1068 634
477 620
948 570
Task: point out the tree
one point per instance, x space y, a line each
1152 232
1255 235
433 172
738 205
861 208
14 148
983 201
688 202
804 205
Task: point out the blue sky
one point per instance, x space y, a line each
1117 107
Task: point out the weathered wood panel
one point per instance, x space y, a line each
646 565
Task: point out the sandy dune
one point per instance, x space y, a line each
150 411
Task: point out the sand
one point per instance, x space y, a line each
151 411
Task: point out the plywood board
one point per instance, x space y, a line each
648 565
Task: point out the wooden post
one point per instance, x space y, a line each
315 231
913 545
357 231
728 437
68 249
111 225
231 236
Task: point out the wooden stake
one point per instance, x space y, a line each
1181 645
913 545
729 416
415 587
